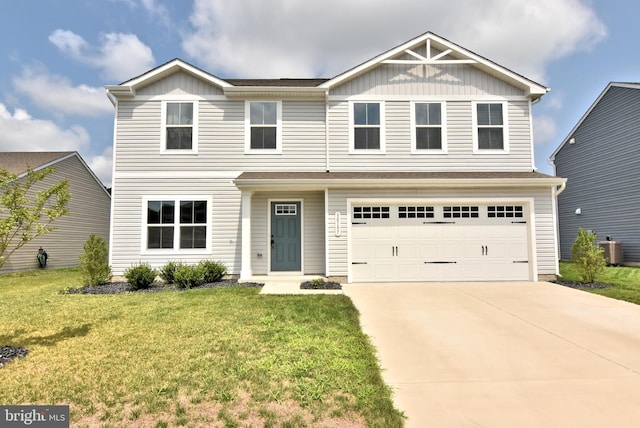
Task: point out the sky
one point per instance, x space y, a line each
56 56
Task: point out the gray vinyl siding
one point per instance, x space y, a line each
441 80
603 173
179 83
224 220
460 130
542 208
221 139
313 230
89 212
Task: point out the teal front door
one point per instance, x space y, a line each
286 237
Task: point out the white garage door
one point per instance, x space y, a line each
425 242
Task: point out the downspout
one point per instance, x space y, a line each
326 131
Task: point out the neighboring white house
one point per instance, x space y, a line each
416 165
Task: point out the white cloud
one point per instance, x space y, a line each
120 56
544 129
158 11
58 94
21 132
297 38
102 165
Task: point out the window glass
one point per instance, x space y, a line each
179 126
428 114
161 227
490 127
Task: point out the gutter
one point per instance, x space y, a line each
326 131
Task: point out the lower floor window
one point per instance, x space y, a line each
176 223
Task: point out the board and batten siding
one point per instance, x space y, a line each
89 212
313 230
179 83
444 80
602 171
542 208
223 216
459 138
221 139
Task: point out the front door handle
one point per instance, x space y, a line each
273 242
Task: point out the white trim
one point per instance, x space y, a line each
176 251
181 97
170 68
245 228
529 202
113 179
505 129
535 90
179 174
382 126
279 272
194 128
443 127
247 127
327 265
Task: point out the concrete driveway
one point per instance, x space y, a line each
504 354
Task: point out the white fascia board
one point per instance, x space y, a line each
170 68
534 90
262 184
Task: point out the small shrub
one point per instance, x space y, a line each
95 261
587 256
212 271
317 282
140 276
168 271
188 276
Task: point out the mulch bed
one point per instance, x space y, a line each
8 353
123 287
590 286
327 285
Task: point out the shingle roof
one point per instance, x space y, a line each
18 162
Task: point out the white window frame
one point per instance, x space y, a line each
176 250
352 125
505 127
247 127
194 128
443 126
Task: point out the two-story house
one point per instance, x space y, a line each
416 165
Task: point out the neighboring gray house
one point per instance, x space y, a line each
416 165
601 160
89 208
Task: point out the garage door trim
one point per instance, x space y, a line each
527 203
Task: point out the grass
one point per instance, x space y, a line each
624 281
209 357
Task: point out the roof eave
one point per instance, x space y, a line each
533 89
300 184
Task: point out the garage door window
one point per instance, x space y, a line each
415 212
502 211
461 212
370 212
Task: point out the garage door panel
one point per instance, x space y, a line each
477 247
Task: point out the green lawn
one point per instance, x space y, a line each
206 357
625 281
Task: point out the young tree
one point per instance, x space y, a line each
95 261
587 256
25 212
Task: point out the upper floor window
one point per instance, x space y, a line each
179 126
263 126
368 128
176 224
490 127
428 127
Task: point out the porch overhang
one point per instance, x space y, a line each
256 181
